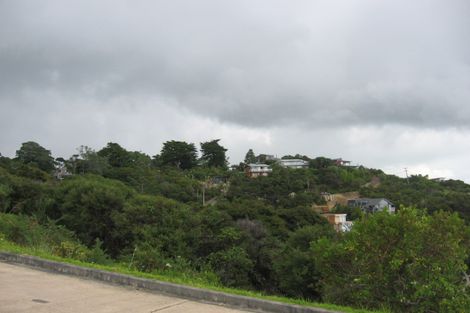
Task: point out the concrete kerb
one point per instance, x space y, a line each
159 286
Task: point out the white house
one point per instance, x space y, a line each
256 170
293 163
339 222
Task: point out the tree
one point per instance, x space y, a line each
86 205
24 195
353 213
409 262
33 153
117 156
179 154
250 157
87 161
295 264
156 223
213 154
233 266
321 162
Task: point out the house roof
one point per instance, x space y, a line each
371 201
292 160
258 165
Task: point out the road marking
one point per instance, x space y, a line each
169 306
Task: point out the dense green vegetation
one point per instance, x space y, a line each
417 261
42 246
177 213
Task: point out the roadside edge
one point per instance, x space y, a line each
182 291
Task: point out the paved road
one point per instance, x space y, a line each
26 290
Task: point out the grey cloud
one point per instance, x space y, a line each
313 64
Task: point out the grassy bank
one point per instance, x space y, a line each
189 280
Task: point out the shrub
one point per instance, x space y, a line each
409 261
233 267
97 255
148 258
26 231
71 250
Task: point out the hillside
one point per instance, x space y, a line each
177 212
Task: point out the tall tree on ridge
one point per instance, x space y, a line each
33 153
178 153
213 154
250 157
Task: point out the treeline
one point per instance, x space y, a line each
179 210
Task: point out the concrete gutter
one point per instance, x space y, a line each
159 286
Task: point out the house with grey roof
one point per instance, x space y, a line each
293 163
372 205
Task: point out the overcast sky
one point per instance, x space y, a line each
382 83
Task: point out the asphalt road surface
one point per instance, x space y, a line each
27 290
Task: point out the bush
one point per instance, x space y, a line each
294 266
86 205
97 255
148 258
70 250
22 195
50 238
233 267
409 261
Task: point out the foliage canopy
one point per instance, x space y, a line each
409 261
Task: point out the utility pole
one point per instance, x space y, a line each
203 194
204 183
406 172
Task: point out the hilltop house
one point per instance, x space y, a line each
341 162
293 163
339 222
266 157
257 169
61 172
371 205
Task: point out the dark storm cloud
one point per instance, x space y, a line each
258 63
